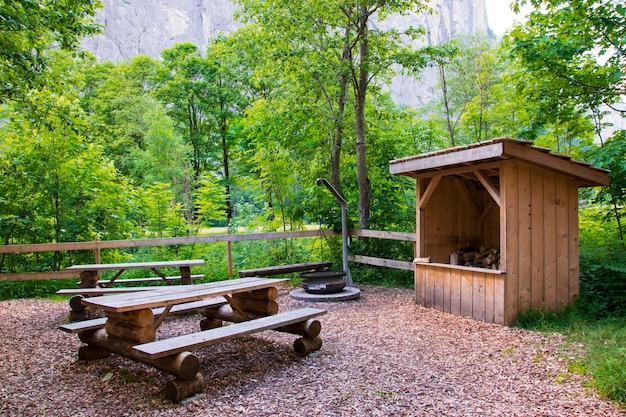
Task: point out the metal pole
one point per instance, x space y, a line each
344 228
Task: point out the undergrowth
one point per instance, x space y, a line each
604 340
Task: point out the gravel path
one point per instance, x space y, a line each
383 355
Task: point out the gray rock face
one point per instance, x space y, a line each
134 27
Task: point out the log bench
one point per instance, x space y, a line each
269 271
100 322
176 345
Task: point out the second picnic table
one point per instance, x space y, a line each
130 325
89 273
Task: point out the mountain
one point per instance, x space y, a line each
134 27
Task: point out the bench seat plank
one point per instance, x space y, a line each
284 269
103 291
81 326
180 344
148 279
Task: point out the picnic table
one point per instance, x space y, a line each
89 274
130 326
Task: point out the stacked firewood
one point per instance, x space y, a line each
479 258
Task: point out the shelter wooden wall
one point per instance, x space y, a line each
473 292
539 238
459 213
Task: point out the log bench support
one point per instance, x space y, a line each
166 350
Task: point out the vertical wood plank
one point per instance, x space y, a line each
478 295
429 287
419 227
489 297
510 202
438 301
574 247
455 291
498 300
549 240
466 293
537 250
525 244
562 242
447 283
420 284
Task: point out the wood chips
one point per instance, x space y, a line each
383 355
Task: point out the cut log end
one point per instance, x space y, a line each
208 324
76 303
90 353
306 345
177 390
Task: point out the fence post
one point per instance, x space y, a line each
229 249
97 255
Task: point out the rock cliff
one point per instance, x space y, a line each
133 27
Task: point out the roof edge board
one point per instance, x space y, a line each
590 175
441 161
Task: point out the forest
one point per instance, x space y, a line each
236 135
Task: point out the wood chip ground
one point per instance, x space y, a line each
383 355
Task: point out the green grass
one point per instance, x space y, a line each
605 346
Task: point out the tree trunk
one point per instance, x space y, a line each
361 83
226 161
335 152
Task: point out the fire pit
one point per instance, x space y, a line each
323 282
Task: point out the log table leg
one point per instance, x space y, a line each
185 275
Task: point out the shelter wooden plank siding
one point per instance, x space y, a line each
507 194
471 292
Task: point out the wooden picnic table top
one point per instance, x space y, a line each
137 265
180 294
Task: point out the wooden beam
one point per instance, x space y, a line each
379 234
388 263
430 189
188 240
37 276
491 189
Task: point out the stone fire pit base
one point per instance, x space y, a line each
348 293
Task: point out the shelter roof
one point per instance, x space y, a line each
469 157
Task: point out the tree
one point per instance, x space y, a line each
185 88
28 29
57 185
227 104
331 40
575 50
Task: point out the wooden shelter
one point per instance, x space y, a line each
503 197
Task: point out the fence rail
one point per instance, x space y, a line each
98 245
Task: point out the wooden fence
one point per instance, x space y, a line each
97 245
